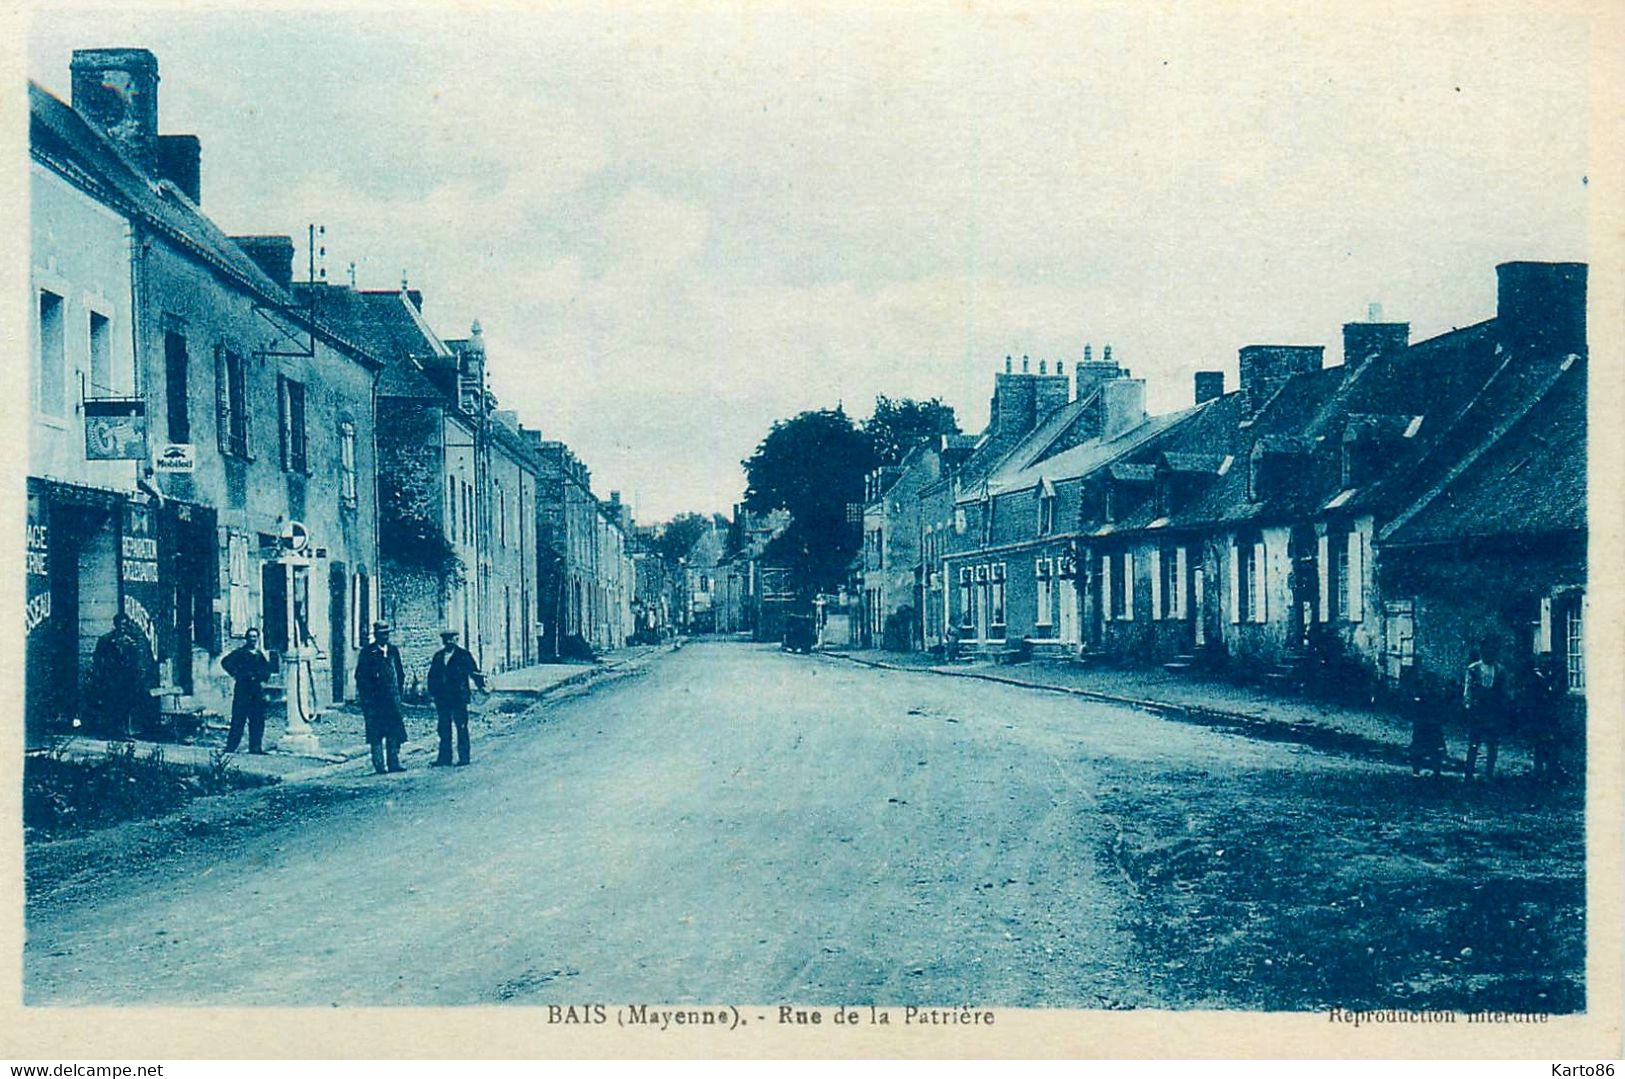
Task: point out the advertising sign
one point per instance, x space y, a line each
116 429
175 458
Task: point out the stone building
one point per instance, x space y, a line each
1320 522
586 577
242 429
456 488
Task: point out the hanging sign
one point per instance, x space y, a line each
115 429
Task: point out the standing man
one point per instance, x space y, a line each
1484 696
119 683
249 668
450 672
379 681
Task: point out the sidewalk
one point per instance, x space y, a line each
341 732
1208 701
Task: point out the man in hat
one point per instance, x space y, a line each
249 668
379 680
450 673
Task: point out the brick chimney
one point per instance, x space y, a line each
1209 385
117 91
179 160
272 254
1542 305
1122 406
1266 368
1365 341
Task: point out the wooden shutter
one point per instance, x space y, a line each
1543 632
1235 582
1156 584
1128 586
283 442
1181 583
1260 584
222 397
1356 581
1105 588
1323 571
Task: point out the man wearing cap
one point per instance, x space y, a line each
450 673
379 680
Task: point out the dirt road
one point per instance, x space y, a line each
736 824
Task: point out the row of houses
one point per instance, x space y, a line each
215 446
1352 526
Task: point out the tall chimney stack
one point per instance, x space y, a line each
117 91
272 254
1542 305
1209 385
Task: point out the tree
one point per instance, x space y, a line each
813 465
898 426
678 535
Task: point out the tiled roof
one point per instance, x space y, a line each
1084 458
1527 478
62 140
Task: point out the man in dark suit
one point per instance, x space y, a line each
379 681
451 672
249 668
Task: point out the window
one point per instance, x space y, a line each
966 613
1247 580
231 401
52 357
468 513
291 424
347 478
176 411
1168 570
959 520
502 516
451 506
1046 508
101 356
1572 610
996 599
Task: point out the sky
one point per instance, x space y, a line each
677 223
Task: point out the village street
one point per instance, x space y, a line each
739 824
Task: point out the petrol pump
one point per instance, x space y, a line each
294 560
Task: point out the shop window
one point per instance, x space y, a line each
52 356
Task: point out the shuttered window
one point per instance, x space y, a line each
1156 585
1355 600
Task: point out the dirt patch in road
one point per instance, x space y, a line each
1355 888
